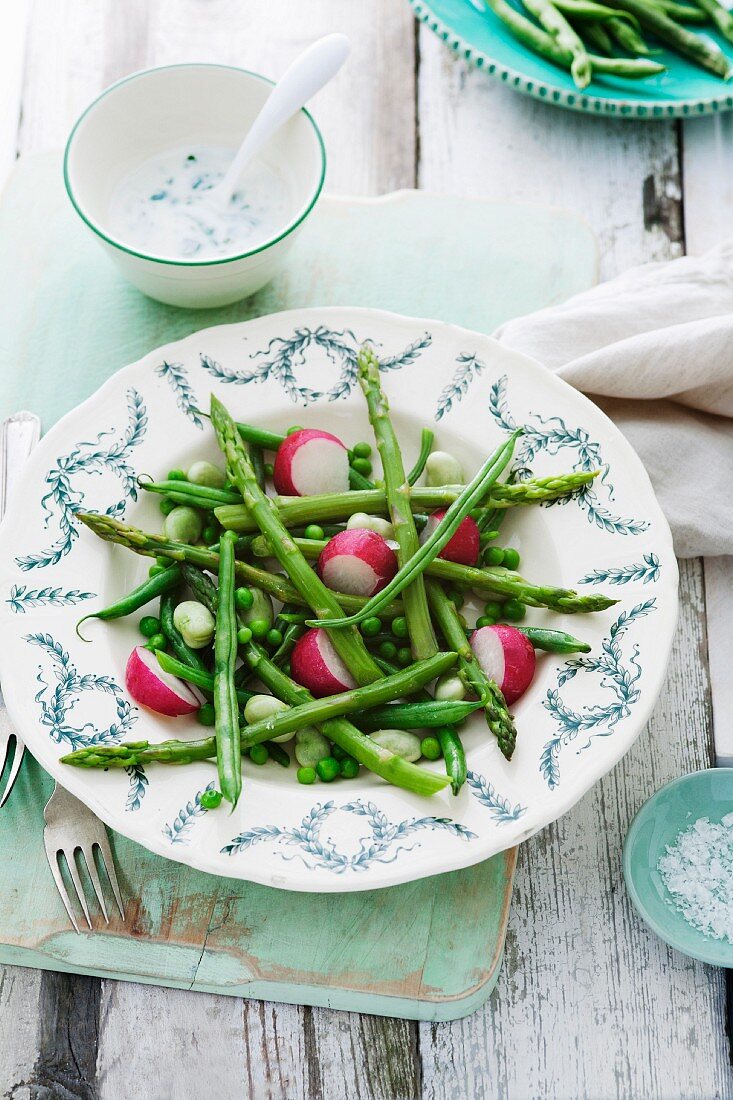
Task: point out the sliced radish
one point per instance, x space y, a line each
316 665
358 562
309 462
157 690
463 548
507 657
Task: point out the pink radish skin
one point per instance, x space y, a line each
507 657
316 665
463 548
358 562
157 690
309 462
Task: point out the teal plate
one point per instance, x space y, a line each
683 91
658 823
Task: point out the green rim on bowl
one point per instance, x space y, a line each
661 819
96 228
480 37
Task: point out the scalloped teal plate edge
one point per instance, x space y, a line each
448 27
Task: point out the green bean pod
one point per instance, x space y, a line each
430 714
228 746
188 656
149 590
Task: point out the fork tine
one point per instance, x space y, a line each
74 872
109 865
18 751
88 856
52 856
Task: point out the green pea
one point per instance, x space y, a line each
349 768
399 627
274 638
167 505
154 570
313 531
371 627
493 610
149 626
260 610
338 753
511 558
362 450
206 473
244 635
514 611
430 748
183 524
211 533
327 769
306 775
206 715
211 800
388 650
485 620
494 556
165 562
157 641
176 475
243 598
362 466
258 754
404 656
259 628
269 469
295 428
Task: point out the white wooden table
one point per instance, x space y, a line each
590 1003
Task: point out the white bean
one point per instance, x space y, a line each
449 687
443 469
195 623
362 521
400 742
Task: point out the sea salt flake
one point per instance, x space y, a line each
698 873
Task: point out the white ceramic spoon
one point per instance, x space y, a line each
306 76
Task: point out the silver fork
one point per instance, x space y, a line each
70 828
18 436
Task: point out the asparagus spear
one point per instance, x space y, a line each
296 511
151 546
498 718
397 492
490 581
344 734
348 643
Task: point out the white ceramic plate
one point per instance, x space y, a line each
578 718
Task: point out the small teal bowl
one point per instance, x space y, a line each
658 823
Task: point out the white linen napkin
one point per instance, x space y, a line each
654 349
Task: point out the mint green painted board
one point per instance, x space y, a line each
427 950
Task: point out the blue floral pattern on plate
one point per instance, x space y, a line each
374 835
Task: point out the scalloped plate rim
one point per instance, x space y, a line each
396 873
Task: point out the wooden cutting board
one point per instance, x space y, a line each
427 950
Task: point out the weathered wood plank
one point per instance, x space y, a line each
591 1003
264 1050
708 175
582 974
477 137
19 1001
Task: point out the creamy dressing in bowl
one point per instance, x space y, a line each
161 207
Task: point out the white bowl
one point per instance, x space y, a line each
159 109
